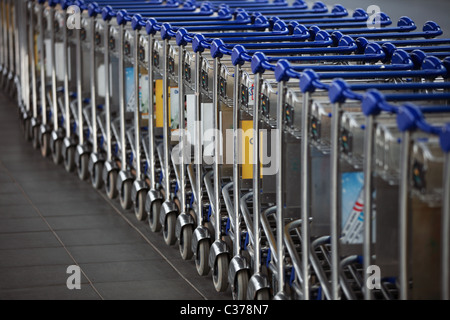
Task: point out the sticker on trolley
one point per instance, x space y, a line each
129 90
352 207
144 96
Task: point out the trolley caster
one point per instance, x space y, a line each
125 195
110 172
27 129
200 246
184 230
263 294
56 148
239 275
96 171
220 273
239 289
83 163
69 155
139 206
96 176
258 288
201 258
45 142
35 137
185 242
168 219
110 184
138 194
124 185
219 261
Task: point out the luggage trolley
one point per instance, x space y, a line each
124 182
420 170
322 87
269 98
219 250
206 79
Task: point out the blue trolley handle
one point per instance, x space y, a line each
344 47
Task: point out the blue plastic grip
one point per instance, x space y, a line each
444 138
371 102
407 116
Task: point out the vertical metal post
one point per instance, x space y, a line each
122 99
151 114
93 87
368 190
107 94
2 44
182 135
445 267
335 202
137 111
279 184
166 119
237 160
256 175
404 213
79 88
305 196
217 149
32 62
66 67
198 137
42 63
53 64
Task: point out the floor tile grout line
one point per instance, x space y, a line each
50 227
152 245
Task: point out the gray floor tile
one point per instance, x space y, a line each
129 271
34 257
74 207
23 225
43 239
11 199
98 221
173 289
50 293
112 253
34 276
99 236
22 210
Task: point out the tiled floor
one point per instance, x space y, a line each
49 220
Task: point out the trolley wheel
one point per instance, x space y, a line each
240 285
110 185
35 137
96 178
69 161
139 207
220 273
201 258
169 229
185 243
27 129
83 167
153 216
125 195
45 145
57 152
263 294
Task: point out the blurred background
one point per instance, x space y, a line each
419 11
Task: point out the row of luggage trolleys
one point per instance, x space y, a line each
290 149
